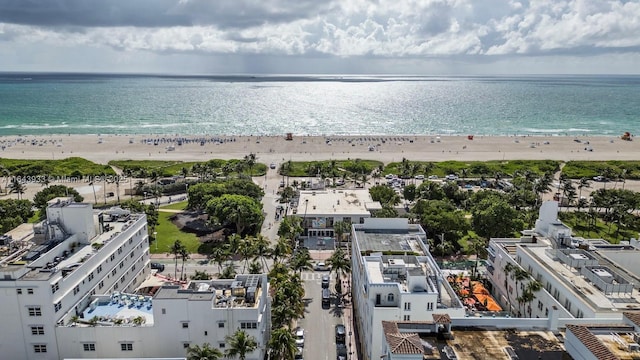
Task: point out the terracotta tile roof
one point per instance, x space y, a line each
441 319
591 342
401 343
634 317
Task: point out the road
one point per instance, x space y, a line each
319 323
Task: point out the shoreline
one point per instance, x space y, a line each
275 148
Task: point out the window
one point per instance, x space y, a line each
539 305
221 345
57 306
40 348
19 291
430 306
30 291
99 269
220 325
164 311
100 285
185 325
407 306
76 289
248 325
407 318
113 272
126 347
121 265
89 347
390 298
185 345
35 311
90 277
206 333
37 330
113 256
120 250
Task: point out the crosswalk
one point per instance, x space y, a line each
312 276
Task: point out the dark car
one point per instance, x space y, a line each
325 281
157 266
340 334
326 299
341 350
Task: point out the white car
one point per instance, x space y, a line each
299 337
419 177
433 177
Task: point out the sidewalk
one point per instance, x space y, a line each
349 320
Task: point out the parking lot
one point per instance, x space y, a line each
319 323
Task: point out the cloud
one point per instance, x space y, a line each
341 29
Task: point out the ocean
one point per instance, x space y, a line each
57 103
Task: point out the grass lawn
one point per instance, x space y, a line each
168 233
176 206
601 230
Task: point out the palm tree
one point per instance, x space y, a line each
519 275
476 245
340 228
531 289
240 344
184 255
262 251
255 267
339 264
219 255
584 183
229 272
250 161
282 344
204 352
281 250
176 250
301 260
17 187
246 251
508 269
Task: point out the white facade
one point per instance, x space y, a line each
76 268
405 285
576 277
53 274
321 209
205 312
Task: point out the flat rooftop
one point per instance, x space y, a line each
391 240
338 202
81 253
243 291
585 289
119 309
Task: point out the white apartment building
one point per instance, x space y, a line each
395 278
67 289
320 209
50 274
204 312
578 276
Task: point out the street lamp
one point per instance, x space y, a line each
155 238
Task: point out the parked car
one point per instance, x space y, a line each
340 334
433 177
325 281
272 166
157 266
299 337
341 350
299 353
321 266
419 177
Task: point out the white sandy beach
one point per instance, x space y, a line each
275 149
269 149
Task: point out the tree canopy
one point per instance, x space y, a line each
240 211
200 194
40 198
13 213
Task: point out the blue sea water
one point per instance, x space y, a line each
56 103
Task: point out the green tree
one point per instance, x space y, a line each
240 344
340 228
229 272
442 217
493 217
410 192
290 227
301 260
17 187
204 352
176 250
339 263
262 251
384 194
13 213
255 267
241 211
282 344
201 275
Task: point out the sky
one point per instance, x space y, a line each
426 37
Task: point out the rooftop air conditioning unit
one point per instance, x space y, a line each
634 347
